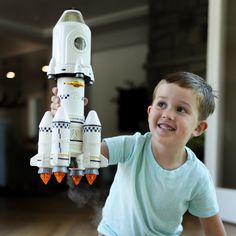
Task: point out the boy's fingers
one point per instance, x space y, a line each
54 108
85 101
54 90
55 99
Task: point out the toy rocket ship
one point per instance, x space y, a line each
67 142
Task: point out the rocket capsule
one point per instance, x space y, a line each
71 51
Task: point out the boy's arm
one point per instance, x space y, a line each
104 150
213 226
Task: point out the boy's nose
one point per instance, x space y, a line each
168 115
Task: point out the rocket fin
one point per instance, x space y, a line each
51 67
86 160
104 161
33 160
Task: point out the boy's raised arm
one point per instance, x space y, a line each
104 150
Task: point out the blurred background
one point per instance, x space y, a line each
134 43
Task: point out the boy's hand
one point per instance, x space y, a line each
55 101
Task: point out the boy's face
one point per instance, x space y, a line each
173 115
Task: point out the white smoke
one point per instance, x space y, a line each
84 195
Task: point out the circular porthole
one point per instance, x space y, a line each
80 43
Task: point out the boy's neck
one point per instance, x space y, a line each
169 158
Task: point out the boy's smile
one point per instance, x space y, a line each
166 126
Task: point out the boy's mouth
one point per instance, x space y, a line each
164 126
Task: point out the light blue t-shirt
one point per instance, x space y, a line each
146 199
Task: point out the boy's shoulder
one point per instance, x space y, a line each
198 169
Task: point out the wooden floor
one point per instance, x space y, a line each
56 214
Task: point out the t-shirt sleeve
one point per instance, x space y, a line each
121 147
204 203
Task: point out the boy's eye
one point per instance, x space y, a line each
181 109
162 105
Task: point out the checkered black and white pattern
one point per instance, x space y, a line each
45 129
91 128
61 125
64 96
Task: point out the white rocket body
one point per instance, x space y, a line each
60 151
92 143
42 158
73 143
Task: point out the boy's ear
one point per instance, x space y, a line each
148 109
202 126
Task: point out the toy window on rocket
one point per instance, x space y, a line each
80 43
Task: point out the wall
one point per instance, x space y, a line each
177 37
112 69
119 53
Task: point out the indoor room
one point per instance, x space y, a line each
129 47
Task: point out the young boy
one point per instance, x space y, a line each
158 178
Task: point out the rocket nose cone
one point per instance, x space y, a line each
71 15
46 120
92 119
61 115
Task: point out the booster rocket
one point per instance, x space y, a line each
69 143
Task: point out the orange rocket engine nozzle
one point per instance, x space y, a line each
91 178
59 176
76 179
45 177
